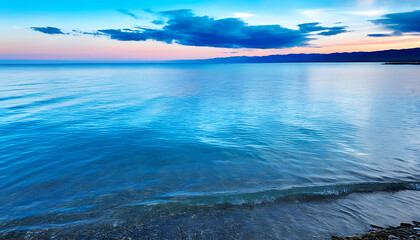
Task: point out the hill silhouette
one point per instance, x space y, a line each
400 56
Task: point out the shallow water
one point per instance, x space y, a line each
80 143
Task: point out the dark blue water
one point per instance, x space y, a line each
84 143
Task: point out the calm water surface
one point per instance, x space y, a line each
117 144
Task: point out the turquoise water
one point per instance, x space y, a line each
79 144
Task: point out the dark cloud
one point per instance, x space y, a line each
48 30
316 27
380 35
400 23
158 22
185 28
333 31
311 27
128 13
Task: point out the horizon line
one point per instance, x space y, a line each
197 60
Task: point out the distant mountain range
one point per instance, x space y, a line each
392 56
403 55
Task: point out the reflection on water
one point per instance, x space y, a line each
79 142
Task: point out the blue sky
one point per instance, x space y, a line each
152 30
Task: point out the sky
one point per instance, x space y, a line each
137 30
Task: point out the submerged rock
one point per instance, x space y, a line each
405 225
378 227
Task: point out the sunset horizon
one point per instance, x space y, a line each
159 31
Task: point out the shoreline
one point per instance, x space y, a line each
402 63
286 219
409 231
405 231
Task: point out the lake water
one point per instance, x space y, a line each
294 151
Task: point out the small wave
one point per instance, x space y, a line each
42 102
295 193
16 97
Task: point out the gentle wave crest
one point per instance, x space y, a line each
273 195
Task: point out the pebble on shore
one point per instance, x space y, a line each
406 231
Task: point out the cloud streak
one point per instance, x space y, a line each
311 27
333 31
48 30
323 31
128 13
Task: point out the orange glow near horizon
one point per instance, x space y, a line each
45 47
